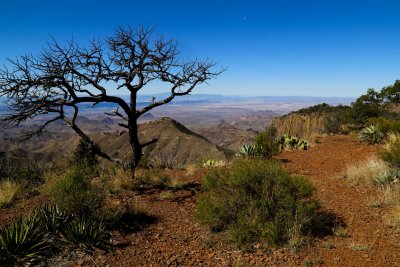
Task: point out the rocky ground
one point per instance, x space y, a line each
170 235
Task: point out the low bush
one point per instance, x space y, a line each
391 152
22 240
9 190
74 193
371 135
265 145
19 169
385 125
84 154
254 199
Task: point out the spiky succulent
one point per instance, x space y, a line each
22 240
86 232
371 134
52 218
247 150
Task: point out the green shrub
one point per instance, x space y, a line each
19 169
75 194
385 125
22 240
371 134
256 199
86 232
391 151
266 143
84 154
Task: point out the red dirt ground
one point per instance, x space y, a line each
175 239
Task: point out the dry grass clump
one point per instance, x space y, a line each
191 169
50 180
122 180
367 172
391 151
9 190
396 217
391 194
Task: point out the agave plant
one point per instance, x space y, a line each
22 240
247 150
371 134
86 232
384 178
52 218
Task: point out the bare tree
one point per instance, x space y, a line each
64 76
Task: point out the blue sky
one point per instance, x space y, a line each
307 48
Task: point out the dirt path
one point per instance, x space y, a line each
177 240
371 242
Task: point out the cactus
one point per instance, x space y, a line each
291 142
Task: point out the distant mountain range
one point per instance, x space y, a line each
215 98
211 100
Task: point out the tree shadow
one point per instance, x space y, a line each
325 222
131 222
285 160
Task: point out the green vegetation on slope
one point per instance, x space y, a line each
378 108
255 199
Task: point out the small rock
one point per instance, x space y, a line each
80 262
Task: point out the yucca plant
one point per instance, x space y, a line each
52 218
86 232
371 134
22 240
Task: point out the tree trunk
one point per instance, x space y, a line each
136 147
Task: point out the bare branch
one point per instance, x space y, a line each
65 76
150 142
